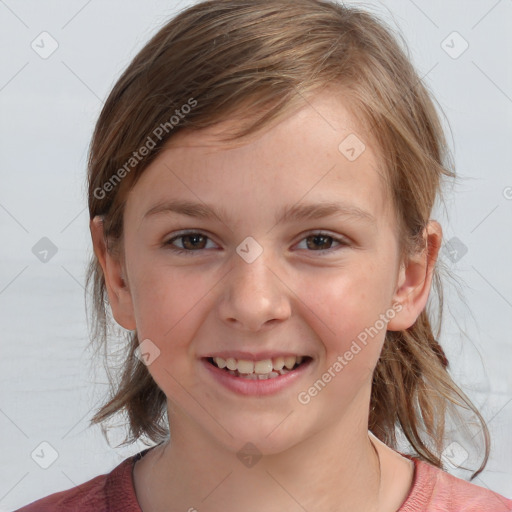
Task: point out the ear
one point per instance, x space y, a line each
119 295
415 279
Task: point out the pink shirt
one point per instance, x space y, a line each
433 490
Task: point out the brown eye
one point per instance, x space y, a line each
322 242
188 242
193 241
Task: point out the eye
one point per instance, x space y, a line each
322 242
191 241
194 241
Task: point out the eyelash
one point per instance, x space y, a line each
168 244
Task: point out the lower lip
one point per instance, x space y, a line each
256 387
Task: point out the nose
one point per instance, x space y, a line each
254 295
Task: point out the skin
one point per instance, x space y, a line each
306 299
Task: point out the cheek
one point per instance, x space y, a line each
165 301
168 306
347 308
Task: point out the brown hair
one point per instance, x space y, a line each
259 57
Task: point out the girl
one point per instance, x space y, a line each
261 180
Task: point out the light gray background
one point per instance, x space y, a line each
48 110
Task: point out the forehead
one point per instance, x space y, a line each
319 152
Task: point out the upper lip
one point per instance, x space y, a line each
251 356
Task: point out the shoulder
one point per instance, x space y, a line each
435 490
98 494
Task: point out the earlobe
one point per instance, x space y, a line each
119 295
415 279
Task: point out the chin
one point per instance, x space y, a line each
269 437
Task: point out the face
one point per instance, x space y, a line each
273 273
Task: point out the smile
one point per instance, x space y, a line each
260 370
257 377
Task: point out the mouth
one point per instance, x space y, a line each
263 369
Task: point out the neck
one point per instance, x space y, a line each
330 470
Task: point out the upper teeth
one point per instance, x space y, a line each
260 367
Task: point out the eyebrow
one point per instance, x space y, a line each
297 212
